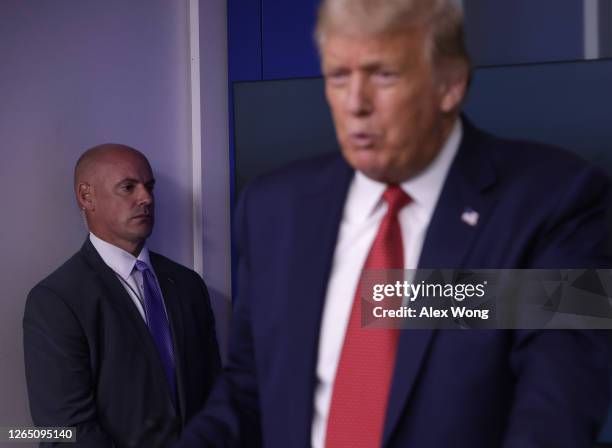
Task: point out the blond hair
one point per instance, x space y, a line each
442 18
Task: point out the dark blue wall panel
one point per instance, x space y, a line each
565 104
288 46
244 40
296 124
272 39
524 31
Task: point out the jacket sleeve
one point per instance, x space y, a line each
231 415
58 372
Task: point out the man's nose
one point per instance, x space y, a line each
358 96
145 196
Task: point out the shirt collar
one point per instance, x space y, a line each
425 187
365 194
117 259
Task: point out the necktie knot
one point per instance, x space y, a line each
141 266
395 198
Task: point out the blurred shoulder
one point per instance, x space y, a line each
538 165
301 177
176 271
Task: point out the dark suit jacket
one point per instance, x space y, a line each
92 363
539 207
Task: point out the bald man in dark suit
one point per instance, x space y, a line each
119 341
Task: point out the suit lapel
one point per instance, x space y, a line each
317 216
175 318
447 244
113 291
450 234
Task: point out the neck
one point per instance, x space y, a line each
132 247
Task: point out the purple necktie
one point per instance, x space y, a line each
158 323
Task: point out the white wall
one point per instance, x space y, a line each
76 73
215 160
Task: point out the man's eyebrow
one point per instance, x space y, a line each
368 66
373 66
134 181
126 180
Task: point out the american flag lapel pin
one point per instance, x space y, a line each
470 216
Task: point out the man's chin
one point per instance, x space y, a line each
369 163
142 232
377 173
142 222
388 173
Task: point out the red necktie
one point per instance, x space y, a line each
363 379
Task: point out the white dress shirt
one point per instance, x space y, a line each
123 263
364 210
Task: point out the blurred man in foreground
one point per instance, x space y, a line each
119 341
417 185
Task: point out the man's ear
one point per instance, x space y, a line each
454 86
85 197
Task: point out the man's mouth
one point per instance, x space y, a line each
363 140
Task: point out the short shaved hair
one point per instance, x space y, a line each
83 169
442 18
